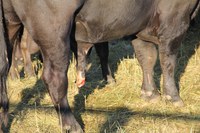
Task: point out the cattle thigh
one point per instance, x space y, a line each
49 23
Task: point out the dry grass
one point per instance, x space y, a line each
113 108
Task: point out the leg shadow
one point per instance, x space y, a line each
188 47
116 119
30 96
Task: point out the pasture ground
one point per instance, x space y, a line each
115 108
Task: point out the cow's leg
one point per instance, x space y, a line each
55 77
146 53
56 61
168 54
14 73
54 44
55 51
52 36
102 51
172 28
82 50
168 50
28 67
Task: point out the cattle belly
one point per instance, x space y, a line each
103 20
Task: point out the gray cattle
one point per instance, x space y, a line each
49 22
154 22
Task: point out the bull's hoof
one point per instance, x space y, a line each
80 82
73 129
110 81
152 97
4 118
177 101
70 125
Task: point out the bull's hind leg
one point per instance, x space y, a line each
55 51
168 50
14 73
146 53
54 43
82 50
168 55
56 61
103 53
28 67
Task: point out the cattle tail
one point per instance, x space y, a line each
4 68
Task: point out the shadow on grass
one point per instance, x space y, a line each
30 97
187 50
117 118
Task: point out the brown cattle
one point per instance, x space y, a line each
22 50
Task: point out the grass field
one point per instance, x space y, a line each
115 108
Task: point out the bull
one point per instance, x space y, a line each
162 23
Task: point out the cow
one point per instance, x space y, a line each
163 22
23 48
49 24
159 22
